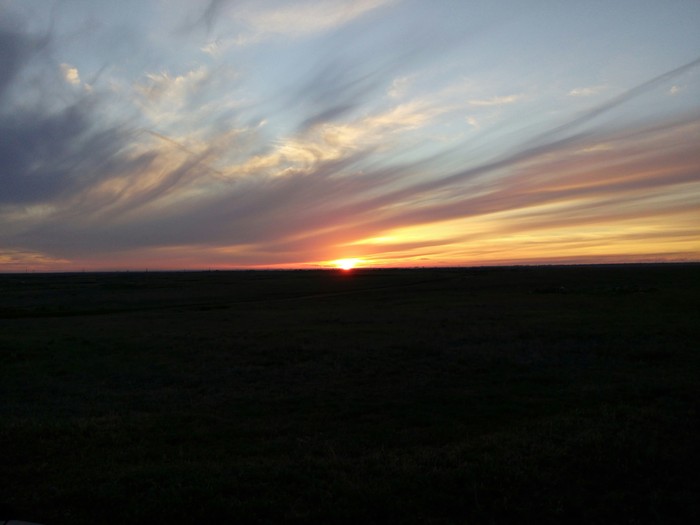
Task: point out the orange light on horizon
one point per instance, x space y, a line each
346 264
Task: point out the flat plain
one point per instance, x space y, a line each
461 395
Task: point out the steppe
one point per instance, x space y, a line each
560 394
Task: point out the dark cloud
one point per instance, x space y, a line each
212 12
16 49
49 155
334 89
206 18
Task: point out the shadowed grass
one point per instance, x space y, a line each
417 396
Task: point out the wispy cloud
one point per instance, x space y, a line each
399 86
306 17
297 19
495 101
174 166
586 91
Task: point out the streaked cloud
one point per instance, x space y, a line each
295 19
353 142
495 101
305 17
586 91
165 97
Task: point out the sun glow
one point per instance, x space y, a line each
346 264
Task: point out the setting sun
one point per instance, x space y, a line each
346 264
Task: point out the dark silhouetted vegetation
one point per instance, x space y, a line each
474 395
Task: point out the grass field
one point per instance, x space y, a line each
475 395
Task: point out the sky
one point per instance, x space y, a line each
187 134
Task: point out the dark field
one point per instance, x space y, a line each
485 395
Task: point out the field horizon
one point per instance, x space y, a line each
490 394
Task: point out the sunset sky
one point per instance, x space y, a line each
173 134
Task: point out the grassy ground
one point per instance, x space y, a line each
492 395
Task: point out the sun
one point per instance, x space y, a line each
346 264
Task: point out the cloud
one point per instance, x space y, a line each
58 149
211 12
16 51
305 17
46 155
399 86
256 21
586 91
70 74
316 212
332 91
495 101
18 260
192 177
306 213
346 78
310 16
164 96
619 100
